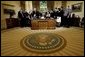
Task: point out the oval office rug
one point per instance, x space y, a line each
43 42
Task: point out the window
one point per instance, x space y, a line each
43 6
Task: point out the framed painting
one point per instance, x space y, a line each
77 7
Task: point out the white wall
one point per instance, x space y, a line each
81 14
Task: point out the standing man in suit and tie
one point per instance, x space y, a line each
55 13
68 15
47 15
62 13
67 12
52 14
26 18
21 17
35 13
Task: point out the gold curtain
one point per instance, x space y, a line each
50 5
36 4
22 4
64 4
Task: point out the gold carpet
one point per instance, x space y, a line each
10 42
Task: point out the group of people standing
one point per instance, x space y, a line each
67 18
23 17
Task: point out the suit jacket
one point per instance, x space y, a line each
35 13
20 14
52 14
61 13
56 13
25 14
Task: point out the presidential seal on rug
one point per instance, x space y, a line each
43 42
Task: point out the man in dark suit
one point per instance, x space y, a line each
35 13
21 17
52 13
82 22
73 20
47 15
55 13
77 20
26 18
61 14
